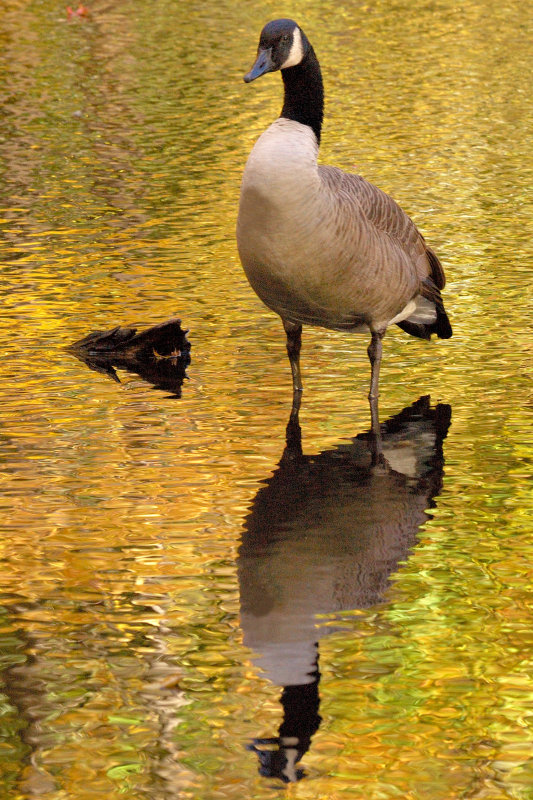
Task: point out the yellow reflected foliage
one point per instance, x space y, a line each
121 149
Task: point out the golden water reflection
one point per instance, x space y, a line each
122 142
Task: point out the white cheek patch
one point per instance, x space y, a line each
297 51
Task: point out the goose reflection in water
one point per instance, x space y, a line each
324 535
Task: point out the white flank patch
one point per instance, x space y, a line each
297 51
420 310
404 313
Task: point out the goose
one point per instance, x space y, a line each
320 246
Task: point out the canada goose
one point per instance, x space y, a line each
318 245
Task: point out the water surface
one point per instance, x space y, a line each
155 546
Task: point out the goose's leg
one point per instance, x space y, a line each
374 354
294 345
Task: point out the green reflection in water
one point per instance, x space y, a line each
123 141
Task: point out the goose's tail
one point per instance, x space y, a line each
416 325
429 315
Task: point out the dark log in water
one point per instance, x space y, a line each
159 355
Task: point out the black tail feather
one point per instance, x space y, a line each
415 329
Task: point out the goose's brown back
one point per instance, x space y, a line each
380 211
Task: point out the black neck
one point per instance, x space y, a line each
304 93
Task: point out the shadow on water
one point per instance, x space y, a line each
324 535
159 355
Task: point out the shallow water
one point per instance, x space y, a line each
167 571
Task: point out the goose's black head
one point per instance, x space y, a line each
282 44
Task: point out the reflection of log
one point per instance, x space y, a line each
159 354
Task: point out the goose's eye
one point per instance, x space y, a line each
285 37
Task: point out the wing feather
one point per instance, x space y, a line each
385 215
382 212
